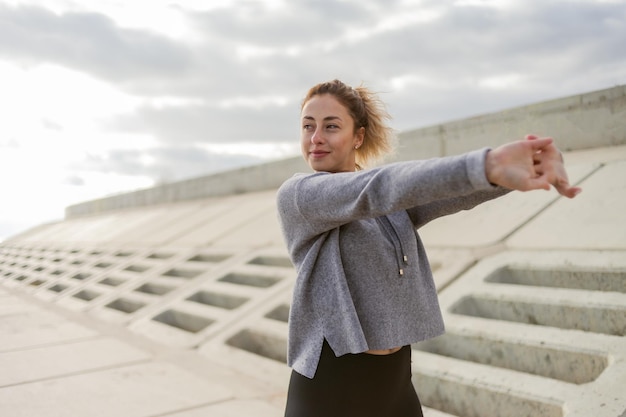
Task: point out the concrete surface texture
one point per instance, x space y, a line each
179 308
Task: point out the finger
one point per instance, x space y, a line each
566 190
569 192
540 143
534 137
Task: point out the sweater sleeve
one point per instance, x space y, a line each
484 191
420 215
315 203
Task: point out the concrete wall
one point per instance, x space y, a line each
591 120
244 180
596 119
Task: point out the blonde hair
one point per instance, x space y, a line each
367 111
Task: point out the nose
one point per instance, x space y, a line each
317 137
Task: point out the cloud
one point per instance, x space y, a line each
74 179
455 60
257 50
244 76
162 164
273 29
89 42
204 123
52 125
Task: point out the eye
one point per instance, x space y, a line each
331 126
307 127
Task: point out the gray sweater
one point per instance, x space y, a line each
363 279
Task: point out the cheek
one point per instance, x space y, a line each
304 144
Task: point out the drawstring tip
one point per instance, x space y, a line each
401 272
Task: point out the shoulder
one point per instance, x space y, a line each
292 184
288 190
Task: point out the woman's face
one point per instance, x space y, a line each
327 135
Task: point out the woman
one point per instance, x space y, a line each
365 291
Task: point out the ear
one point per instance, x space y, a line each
358 137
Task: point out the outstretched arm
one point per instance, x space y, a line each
531 164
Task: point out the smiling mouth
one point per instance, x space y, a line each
318 154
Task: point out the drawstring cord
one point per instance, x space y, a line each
401 258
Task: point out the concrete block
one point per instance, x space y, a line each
464 388
530 333
217 303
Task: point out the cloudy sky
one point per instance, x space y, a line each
99 97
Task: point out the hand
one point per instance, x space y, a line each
550 160
531 164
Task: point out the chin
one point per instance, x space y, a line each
316 165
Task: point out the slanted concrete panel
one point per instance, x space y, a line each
161 227
28 365
132 391
41 233
235 408
126 223
261 231
229 213
494 220
36 328
12 306
595 219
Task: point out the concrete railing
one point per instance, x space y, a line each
591 120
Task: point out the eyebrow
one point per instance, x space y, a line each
327 118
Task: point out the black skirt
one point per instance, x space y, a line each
360 385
